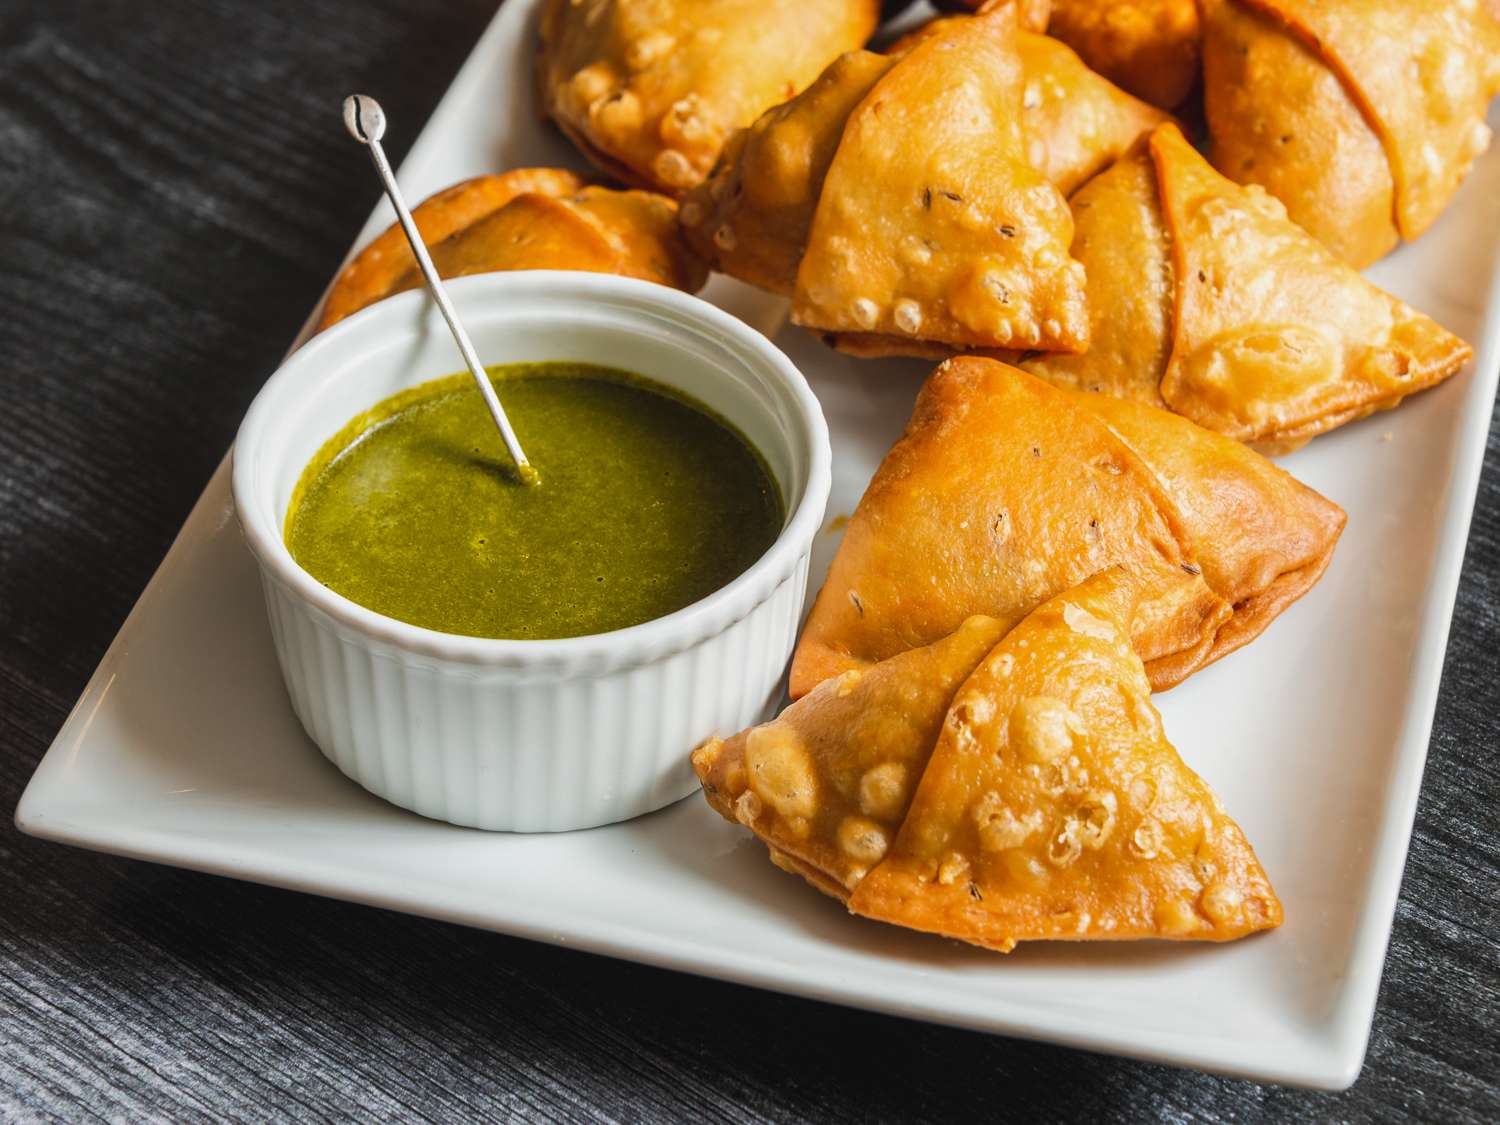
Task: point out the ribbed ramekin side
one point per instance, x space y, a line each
488 748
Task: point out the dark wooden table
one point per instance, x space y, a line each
169 211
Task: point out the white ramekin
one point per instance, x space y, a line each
532 736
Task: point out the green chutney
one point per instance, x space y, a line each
647 503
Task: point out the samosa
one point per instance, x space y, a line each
1206 299
1004 491
999 789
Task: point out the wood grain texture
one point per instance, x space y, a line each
152 268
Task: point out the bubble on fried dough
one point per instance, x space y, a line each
1036 152
724 238
1222 903
1145 842
882 790
616 114
673 168
748 808
865 311
647 49
684 124
1042 729
953 869
780 771
999 827
1064 848
1082 621
592 83
915 250
908 316
862 840
1096 818
1176 916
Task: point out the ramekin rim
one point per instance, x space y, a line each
637 644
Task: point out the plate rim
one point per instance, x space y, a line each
1335 1066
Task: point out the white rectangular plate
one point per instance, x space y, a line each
184 750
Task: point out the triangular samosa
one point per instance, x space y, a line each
752 217
376 269
1262 537
992 502
1053 806
932 226
530 218
1275 339
651 89
1000 494
826 784
1423 73
1280 118
1205 298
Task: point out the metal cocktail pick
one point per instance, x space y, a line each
365 121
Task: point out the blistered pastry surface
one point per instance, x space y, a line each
932 225
651 89
998 496
1273 334
1054 807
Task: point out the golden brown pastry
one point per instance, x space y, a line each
827 784
1004 491
651 89
1363 117
1149 47
1033 797
753 217
931 224
1121 238
1076 122
529 218
1053 806
1263 538
1206 299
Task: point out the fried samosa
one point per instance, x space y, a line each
826 785
1053 806
1363 117
529 218
1004 491
1033 797
1148 47
753 218
649 90
1076 121
1206 299
931 225
1263 538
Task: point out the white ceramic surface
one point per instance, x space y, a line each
532 736
183 749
